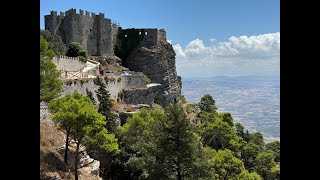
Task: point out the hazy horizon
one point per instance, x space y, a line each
253 101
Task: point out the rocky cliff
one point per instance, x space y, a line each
158 63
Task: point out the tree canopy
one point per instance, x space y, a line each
87 125
105 105
207 104
76 50
50 84
165 143
54 42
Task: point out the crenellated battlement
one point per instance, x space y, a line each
81 12
66 57
99 35
93 31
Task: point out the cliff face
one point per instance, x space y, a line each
158 63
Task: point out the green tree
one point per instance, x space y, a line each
239 130
245 175
50 84
218 135
274 173
226 165
83 55
165 147
175 144
90 96
208 117
63 113
86 124
137 144
247 136
44 50
76 50
207 104
275 147
105 105
236 145
257 138
264 163
202 169
249 154
54 42
226 117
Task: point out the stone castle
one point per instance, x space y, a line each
138 52
96 33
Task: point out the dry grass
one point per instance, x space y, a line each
51 162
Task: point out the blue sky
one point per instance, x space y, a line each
200 27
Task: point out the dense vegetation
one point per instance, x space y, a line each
77 115
76 50
157 143
165 144
50 85
54 42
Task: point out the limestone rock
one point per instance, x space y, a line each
158 63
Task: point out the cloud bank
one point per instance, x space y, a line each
239 56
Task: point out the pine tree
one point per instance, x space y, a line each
76 113
105 104
175 144
90 96
50 84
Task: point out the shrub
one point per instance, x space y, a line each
148 80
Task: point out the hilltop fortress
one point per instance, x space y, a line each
120 56
96 33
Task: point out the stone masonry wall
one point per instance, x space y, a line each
114 87
68 63
93 31
140 95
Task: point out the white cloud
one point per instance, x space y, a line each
179 52
244 55
212 40
169 41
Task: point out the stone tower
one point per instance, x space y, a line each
93 32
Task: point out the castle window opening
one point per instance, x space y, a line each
145 33
140 33
125 35
90 29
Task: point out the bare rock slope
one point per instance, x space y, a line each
158 63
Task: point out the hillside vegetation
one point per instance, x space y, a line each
182 141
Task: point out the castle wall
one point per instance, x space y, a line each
162 35
115 85
149 37
114 36
140 95
68 63
93 31
104 36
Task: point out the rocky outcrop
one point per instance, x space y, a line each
158 63
87 165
